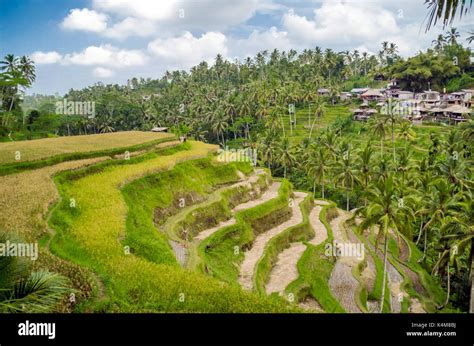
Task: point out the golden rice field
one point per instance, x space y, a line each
93 237
47 147
25 198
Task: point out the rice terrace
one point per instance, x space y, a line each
297 178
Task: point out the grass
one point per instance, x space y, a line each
48 151
26 197
315 269
90 235
283 240
222 252
197 178
303 125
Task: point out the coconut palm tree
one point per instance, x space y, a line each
364 166
317 166
445 10
27 68
437 205
285 155
344 170
405 131
451 36
9 63
25 291
439 43
378 128
386 214
319 110
470 38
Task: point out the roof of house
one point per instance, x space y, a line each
372 92
323 90
457 109
359 90
159 129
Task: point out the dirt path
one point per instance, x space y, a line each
270 193
208 232
252 256
395 279
320 231
285 270
342 283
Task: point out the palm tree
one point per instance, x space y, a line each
219 127
317 166
438 205
470 38
285 155
10 63
387 214
22 291
377 126
319 110
392 118
445 10
406 131
345 172
365 166
455 170
27 68
439 43
267 147
451 36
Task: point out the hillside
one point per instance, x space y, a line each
173 230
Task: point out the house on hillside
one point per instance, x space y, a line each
457 113
358 91
451 114
430 98
323 92
343 96
363 113
159 129
404 95
372 95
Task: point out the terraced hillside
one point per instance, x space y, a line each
171 229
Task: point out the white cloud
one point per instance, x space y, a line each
46 57
131 27
342 23
85 20
102 72
186 50
107 55
171 17
261 40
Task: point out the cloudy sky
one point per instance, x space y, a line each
78 43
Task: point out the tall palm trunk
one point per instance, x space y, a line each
393 140
449 287
347 199
323 185
421 230
382 299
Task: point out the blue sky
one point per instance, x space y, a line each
78 43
